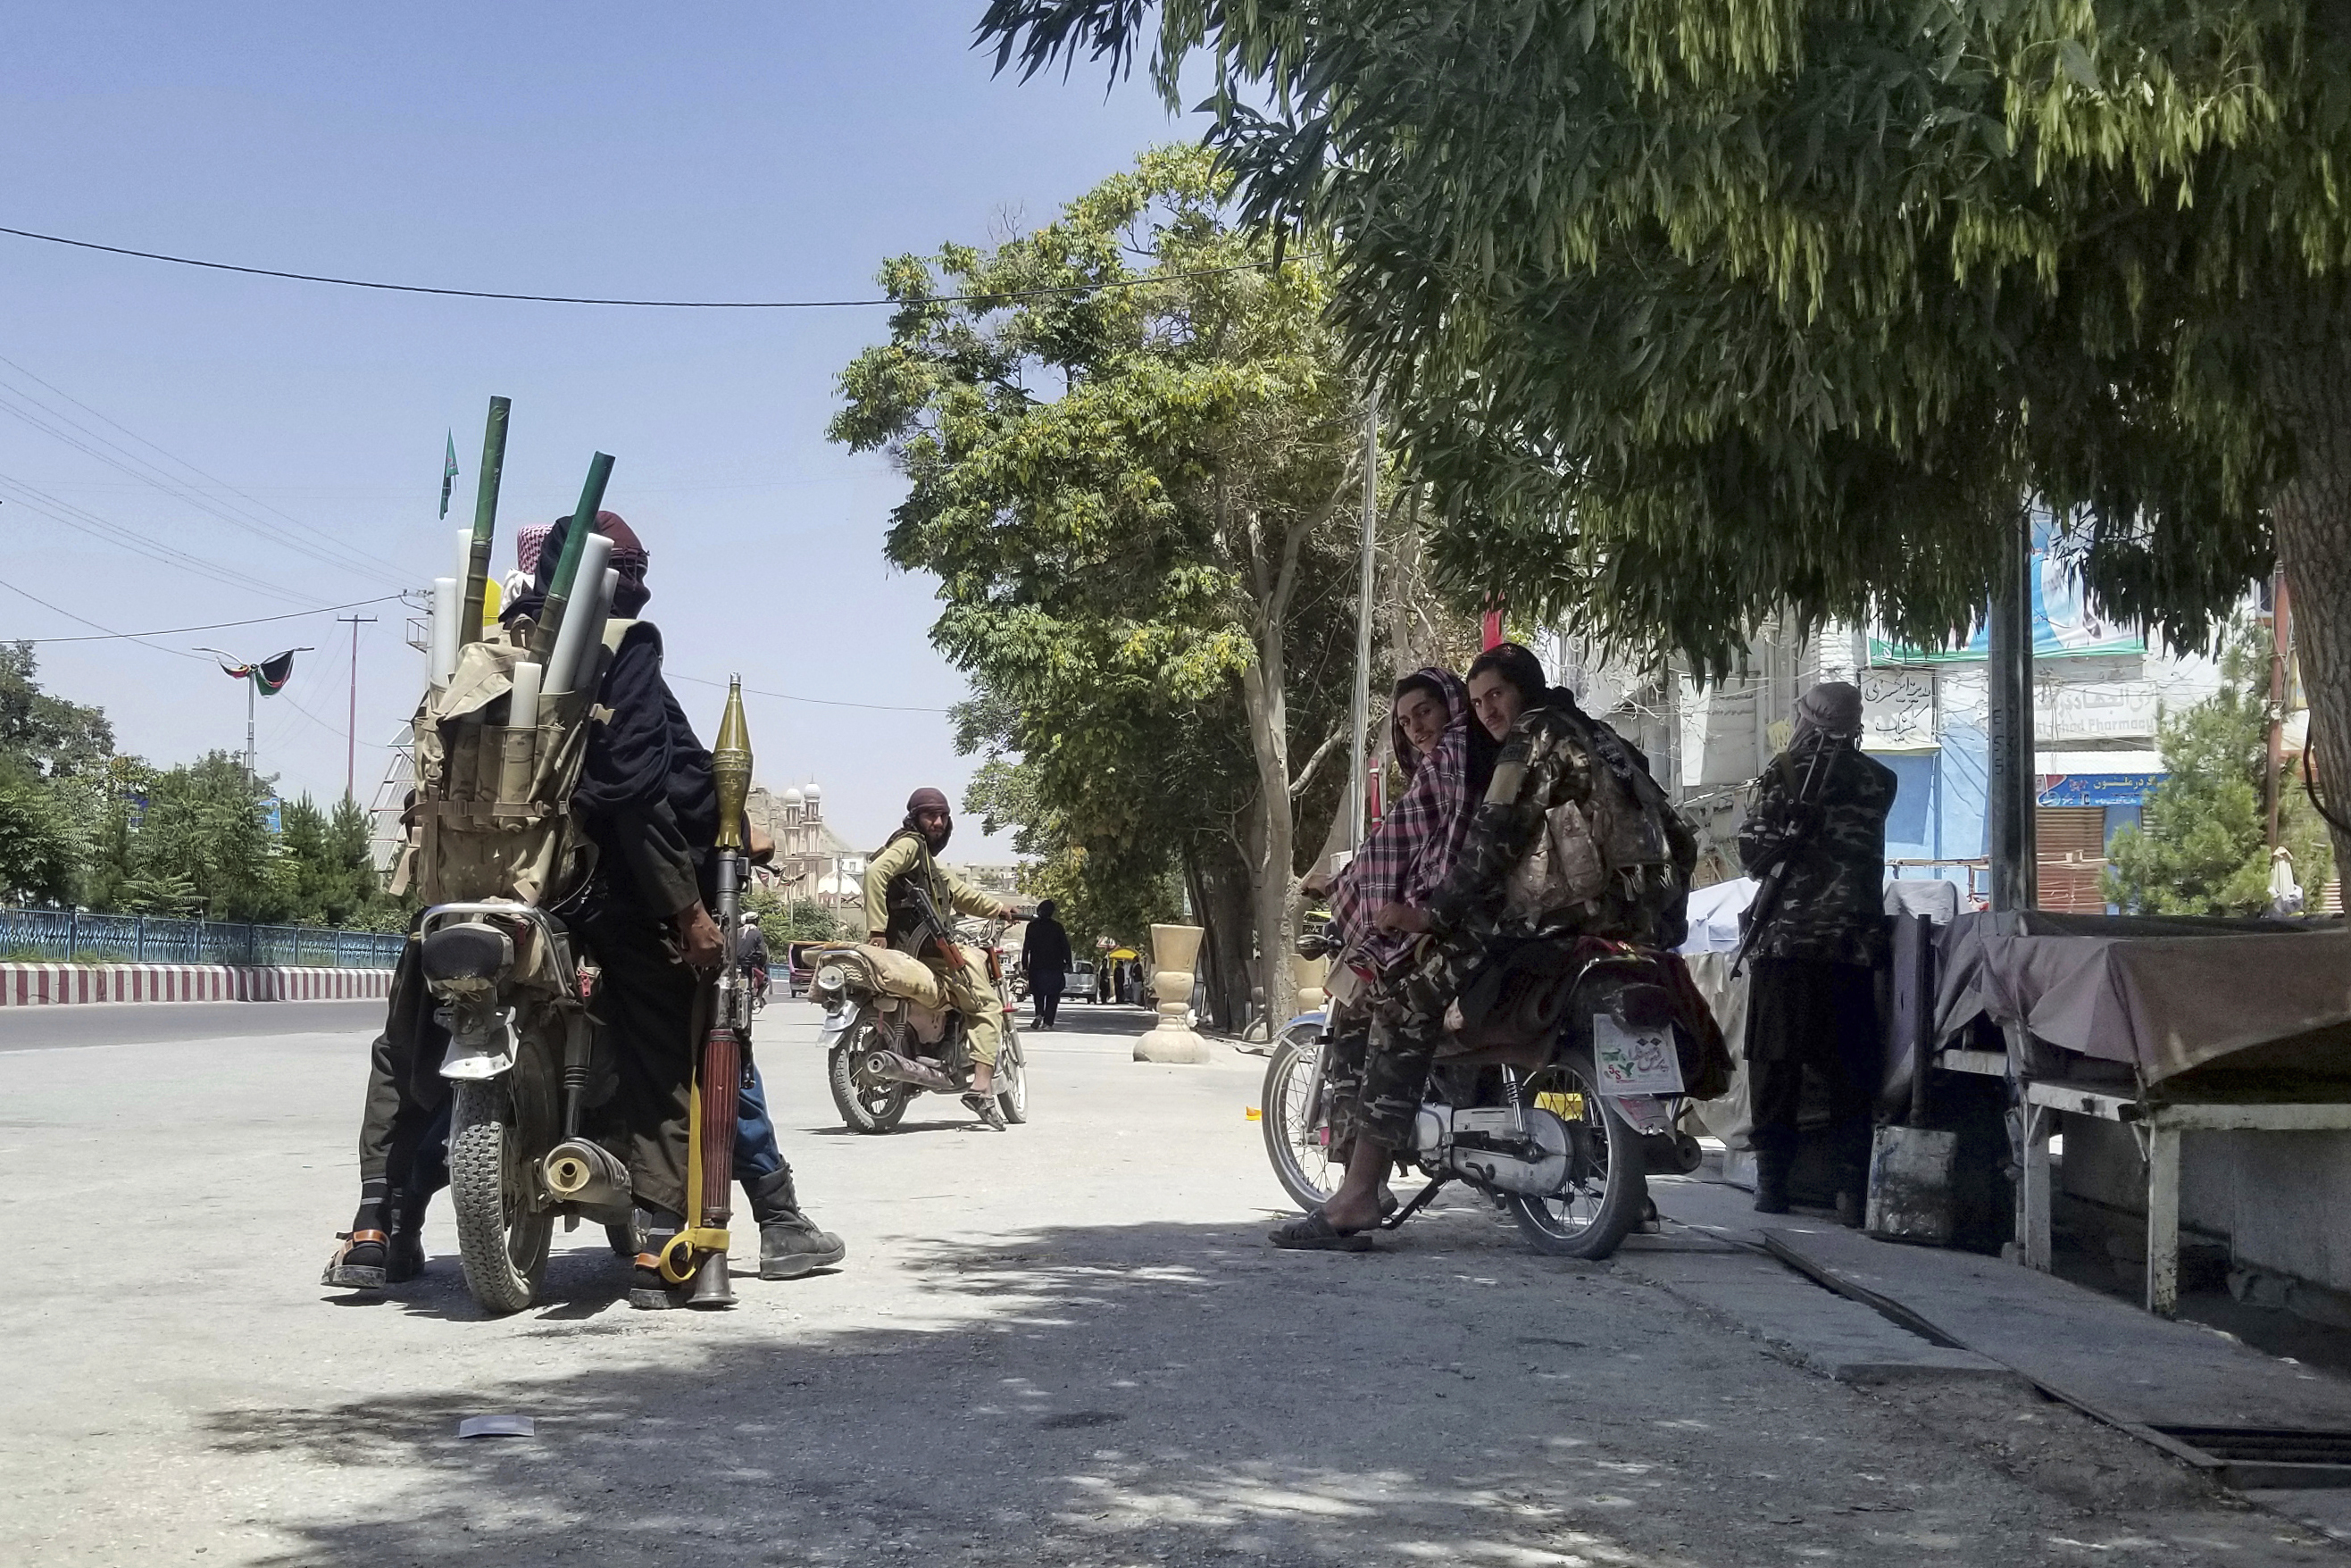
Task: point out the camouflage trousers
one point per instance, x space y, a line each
1377 1063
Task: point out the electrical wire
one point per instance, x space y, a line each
135 637
368 557
208 626
641 304
821 701
83 520
63 428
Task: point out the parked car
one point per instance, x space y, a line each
1081 981
797 965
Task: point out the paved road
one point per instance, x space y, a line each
1063 1344
68 1026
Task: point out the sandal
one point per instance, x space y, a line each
358 1263
1311 1232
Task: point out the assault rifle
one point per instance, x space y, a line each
1766 902
934 926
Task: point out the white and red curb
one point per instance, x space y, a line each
35 984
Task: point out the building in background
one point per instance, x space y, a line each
811 860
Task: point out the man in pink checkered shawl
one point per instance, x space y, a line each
1442 750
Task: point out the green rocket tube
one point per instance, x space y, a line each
567 567
485 522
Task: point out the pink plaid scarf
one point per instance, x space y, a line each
1408 854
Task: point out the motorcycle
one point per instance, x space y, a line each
1521 1114
518 1064
888 1036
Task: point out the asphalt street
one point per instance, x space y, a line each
1066 1343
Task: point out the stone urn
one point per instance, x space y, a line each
1313 976
1174 950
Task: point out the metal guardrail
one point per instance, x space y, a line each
69 936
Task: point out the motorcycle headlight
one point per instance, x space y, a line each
830 978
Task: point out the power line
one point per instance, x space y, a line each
184 463
64 428
208 626
88 622
645 304
823 702
83 520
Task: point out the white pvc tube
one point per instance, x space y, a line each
446 592
580 620
465 555
522 709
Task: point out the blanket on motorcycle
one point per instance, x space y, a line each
895 974
1522 995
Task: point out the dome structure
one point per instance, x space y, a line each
792 796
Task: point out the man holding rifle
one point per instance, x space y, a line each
906 891
1814 838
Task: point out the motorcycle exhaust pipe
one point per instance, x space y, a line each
889 1067
579 1171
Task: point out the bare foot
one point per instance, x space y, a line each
1347 1212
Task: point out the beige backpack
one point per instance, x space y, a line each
1623 830
492 818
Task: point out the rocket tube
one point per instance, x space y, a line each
567 568
444 641
581 623
520 751
476 575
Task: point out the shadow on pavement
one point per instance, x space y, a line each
1161 1393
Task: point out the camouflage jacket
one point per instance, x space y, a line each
1831 905
1549 759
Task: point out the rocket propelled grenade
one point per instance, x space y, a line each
711 1179
485 523
567 566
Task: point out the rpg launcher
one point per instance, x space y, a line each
699 1251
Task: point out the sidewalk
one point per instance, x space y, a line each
2275 1431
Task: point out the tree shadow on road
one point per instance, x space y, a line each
1152 1393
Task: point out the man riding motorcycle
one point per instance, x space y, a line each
1553 753
894 919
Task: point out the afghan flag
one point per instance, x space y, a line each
448 474
269 676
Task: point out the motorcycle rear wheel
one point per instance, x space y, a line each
1603 1204
1294 1131
864 1107
501 1241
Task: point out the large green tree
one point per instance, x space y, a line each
205 829
2203 844
1701 311
1135 487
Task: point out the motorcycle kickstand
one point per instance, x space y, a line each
1418 1202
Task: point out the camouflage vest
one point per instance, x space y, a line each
1621 858
492 818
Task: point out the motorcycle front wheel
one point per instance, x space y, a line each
865 1106
501 1241
1012 1080
1608 1180
1297 1123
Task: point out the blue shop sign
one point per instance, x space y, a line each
2096 788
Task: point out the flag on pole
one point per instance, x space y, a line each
448 473
269 676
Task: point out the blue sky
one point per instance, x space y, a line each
759 151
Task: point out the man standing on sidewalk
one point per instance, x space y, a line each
1820 810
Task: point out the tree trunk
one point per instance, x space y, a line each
1269 728
1219 885
2312 519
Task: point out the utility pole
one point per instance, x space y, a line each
1360 709
2009 669
351 725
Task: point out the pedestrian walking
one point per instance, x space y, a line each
1045 958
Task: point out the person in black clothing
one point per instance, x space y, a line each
1045 958
1812 991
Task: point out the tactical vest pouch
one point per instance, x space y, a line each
1583 849
493 802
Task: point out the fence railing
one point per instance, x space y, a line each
68 937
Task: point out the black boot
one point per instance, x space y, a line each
1771 1185
647 1288
789 1243
358 1263
404 1253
